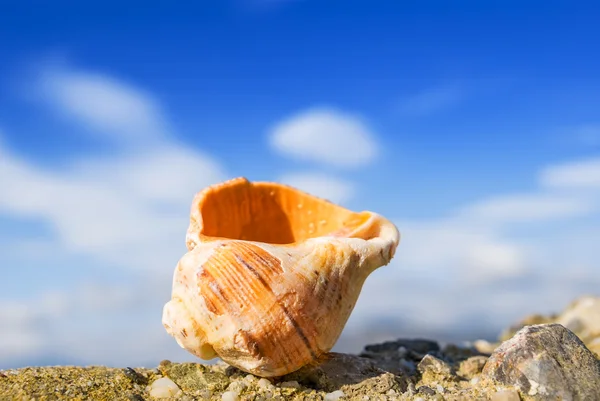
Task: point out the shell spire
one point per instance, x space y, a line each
271 275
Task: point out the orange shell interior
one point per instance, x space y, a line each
271 213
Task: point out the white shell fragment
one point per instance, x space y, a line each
164 388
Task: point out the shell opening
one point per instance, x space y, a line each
271 213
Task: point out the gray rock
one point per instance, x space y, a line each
400 356
350 373
418 345
582 317
546 362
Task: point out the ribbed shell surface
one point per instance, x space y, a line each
270 310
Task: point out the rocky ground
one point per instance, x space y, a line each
541 358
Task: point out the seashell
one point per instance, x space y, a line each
271 275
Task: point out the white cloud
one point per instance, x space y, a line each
526 208
117 209
432 100
501 254
334 189
106 105
131 209
19 336
579 174
325 136
22 325
114 325
168 173
494 258
457 247
128 208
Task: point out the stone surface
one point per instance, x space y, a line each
582 317
349 373
535 363
544 362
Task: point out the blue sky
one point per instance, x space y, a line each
474 127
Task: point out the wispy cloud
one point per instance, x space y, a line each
128 211
506 254
136 192
118 319
431 100
525 208
325 136
110 107
454 246
326 186
578 174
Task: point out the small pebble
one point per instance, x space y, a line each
506 395
426 390
440 389
475 380
164 388
230 396
334 395
237 386
290 384
265 383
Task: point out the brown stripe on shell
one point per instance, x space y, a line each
289 316
215 299
235 289
267 264
299 331
266 268
223 272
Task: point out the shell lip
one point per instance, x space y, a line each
277 214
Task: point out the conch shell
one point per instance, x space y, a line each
272 275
